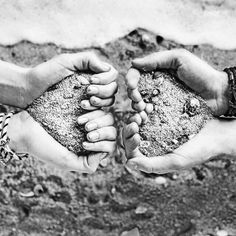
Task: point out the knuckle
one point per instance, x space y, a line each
90 55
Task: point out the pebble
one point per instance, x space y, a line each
192 106
28 195
132 232
155 92
222 233
145 39
191 136
68 95
175 141
145 144
158 79
161 180
140 210
38 189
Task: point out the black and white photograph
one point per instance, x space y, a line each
117 117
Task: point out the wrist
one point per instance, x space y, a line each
222 93
18 132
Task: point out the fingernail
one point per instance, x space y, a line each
94 80
92 90
93 136
83 104
85 145
91 126
82 120
94 101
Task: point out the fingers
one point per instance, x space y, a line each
129 130
131 139
94 160
196 151
84 61
98 102
104 78
132 78
134 95
102 146
165 59
106 133
104 121
103 91
86 105
90 116
158 165
53 152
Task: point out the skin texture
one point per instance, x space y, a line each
28 136
214 139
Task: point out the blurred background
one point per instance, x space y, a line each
38 200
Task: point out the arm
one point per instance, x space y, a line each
13 84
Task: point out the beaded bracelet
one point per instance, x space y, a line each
6 154
231 72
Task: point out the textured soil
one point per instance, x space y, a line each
58 109
38 200
178 114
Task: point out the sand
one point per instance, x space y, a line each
57 111
178 114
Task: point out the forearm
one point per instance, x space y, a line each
13 84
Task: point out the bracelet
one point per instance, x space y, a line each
231 72
6 154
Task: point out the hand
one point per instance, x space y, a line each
27 136
216 138
43 76
210 83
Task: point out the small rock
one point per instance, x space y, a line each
145 144
175 141
143 92
28 195
145 39
132 232
159 79
155 92
161 181
140 210
38 189
222 233
191 136
192 106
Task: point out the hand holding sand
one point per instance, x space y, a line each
32 138
209 83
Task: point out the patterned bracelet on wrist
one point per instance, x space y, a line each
231 72
6 154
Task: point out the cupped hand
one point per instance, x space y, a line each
216 138
28 136
103 87
208 82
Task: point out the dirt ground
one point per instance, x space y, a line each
38 200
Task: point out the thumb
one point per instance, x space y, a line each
94 160
196 151
162 60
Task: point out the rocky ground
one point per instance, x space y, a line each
37 200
